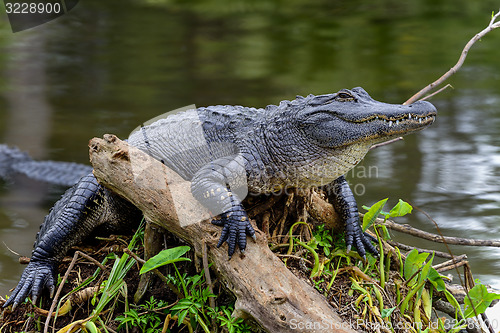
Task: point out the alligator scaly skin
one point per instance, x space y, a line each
80 210
227 151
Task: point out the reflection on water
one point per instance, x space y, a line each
106 69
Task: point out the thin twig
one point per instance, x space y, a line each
265 224
452 266
450 262
97 263
12 251
110 329
59 290
386 142
407 229
295 257
487 322
206 269
437 92
420 250
492 25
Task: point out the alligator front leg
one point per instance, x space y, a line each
215 186
80 210
341 197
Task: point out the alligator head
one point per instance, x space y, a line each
351 117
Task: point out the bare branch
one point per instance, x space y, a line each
386 142
492 25
407 229
451 264
437 92
406 247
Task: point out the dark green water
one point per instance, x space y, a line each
107 67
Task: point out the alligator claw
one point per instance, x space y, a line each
52 291
235 228
362 241
39 274
219 223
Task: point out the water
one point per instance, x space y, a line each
105 68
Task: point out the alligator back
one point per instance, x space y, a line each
189 140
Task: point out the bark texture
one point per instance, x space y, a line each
265 289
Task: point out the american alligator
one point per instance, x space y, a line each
310 141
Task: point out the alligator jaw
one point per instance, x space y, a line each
408 118
353 117
402 125
394 121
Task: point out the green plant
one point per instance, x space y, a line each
131 319
194 304
111 287
224 318
193 307
402 208
478 300
196 296
115 283
146 317
416 271
323 238
166 257
414 287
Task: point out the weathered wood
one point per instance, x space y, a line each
265 289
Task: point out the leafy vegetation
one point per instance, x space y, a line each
110 307
192 310
392 292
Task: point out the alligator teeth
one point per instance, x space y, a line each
390 123
419 120
397 122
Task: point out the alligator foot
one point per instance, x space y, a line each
363 241
340 195
38 275
236 227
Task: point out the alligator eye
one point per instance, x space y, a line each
344 97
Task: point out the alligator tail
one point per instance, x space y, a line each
13 161
10 156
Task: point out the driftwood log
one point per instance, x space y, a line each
264 288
